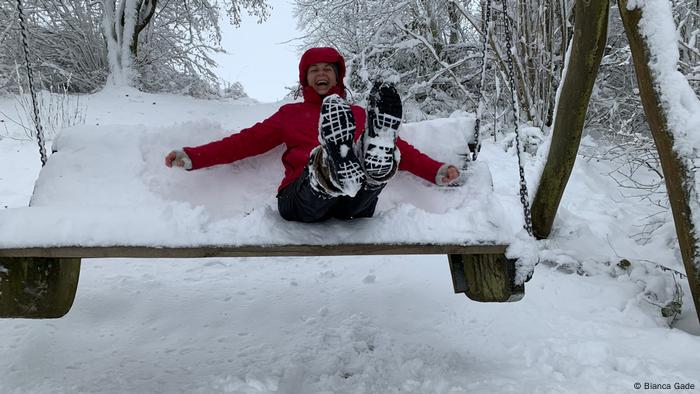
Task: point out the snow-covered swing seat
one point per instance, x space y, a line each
106 193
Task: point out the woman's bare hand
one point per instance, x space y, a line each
452 174
175 158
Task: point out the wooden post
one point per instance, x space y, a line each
37 287
679 178
590 32
485 277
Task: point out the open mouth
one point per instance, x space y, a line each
322 83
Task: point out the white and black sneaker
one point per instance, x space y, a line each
384 112
336 132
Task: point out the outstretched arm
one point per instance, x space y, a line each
422 165
252 141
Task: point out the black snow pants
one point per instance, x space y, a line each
300 203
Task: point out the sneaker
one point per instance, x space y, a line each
336 133
379 141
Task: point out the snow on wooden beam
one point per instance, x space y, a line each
673 113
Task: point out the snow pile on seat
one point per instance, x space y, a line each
107 186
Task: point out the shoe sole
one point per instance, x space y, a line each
383 122
336 134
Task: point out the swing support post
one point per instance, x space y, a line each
678 177
588 46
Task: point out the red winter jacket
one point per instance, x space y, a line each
296 126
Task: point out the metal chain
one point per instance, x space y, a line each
475 146
524 198
30 77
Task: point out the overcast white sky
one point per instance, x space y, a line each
257 57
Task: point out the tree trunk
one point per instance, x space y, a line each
455 22
435 39
122 21
679 178
146 10
590 32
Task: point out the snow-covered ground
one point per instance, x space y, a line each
381 324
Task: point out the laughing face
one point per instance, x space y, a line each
321 77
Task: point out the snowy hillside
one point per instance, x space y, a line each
380 324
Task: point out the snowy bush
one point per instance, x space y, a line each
233 90
57 109
65 44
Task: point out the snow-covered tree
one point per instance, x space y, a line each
614 115
687 17
414 43
166 45
432 48
122 22
65 43
154 45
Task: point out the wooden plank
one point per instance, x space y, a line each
485 277
37 288
250 250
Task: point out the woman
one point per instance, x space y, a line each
334 166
